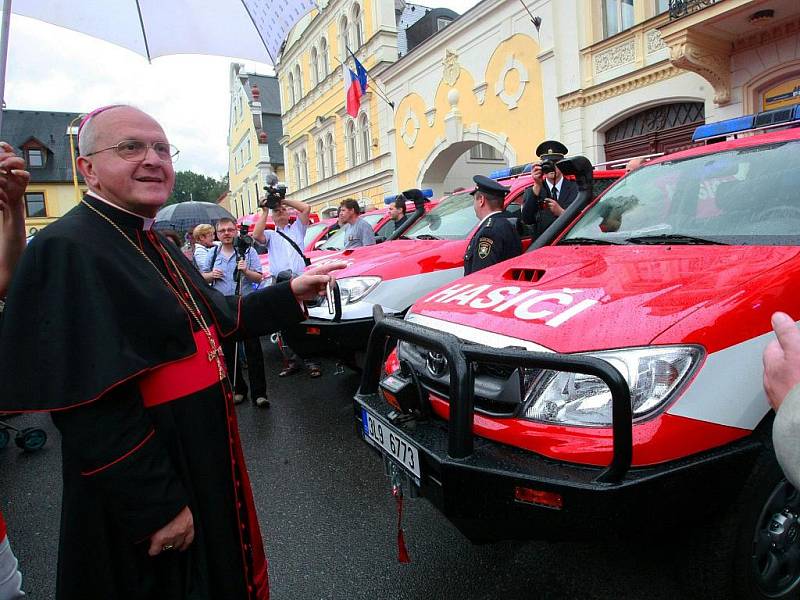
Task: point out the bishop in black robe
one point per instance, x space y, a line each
93 335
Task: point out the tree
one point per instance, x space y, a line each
200 188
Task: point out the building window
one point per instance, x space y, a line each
350 140
320 160
662 6
618 16
358 31
303 168
331 150
343 38
483 152
323 59
314 67
34 158
442 22
290 89
296 171
298 83
366 141
34 205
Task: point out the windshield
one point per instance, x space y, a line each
337 240
312 232
452 219
747 196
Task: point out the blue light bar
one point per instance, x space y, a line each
500 173
389 199
723 128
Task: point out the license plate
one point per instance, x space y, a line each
400 449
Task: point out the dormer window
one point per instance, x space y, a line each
34 158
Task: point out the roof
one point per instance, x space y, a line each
50 129
410 15
270 111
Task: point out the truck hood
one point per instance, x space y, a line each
397 258
580 298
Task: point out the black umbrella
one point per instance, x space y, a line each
184 216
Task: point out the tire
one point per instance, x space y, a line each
752 551
31 439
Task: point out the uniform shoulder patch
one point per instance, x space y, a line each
484 247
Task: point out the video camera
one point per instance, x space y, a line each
242 243
276 192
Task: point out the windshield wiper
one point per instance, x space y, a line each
426 236
672 238
588 241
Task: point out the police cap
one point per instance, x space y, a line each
551 150
489 186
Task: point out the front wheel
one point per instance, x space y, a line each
752 550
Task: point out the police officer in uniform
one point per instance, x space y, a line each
550 194
496 239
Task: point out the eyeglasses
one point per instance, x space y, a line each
135 150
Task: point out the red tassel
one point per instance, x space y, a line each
402 552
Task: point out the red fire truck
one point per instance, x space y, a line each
609 380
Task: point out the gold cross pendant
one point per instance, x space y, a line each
215 354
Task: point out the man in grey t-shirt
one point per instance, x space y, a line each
357 232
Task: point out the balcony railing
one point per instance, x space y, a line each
681 8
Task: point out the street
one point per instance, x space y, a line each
329 520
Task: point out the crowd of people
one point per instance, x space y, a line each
142 376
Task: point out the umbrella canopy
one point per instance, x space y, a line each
249 29
184 216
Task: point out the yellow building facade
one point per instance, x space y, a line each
254 134
330 155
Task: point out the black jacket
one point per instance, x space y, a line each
541 219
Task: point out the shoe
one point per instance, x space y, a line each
291 369
238 398
262 402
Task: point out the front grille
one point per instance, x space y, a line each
498 388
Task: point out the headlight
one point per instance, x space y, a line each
354 289
577 399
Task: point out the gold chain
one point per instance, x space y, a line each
216 352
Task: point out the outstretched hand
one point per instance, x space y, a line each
13 179
782 359
315 280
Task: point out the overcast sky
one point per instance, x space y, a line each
50 68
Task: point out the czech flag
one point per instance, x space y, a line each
354 87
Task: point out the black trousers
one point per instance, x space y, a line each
255 367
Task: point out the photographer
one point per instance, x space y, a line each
550 194
286 258
234 269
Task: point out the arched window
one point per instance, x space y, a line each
365 141
343 42
350 140
298 83
323 59
331 151
297 183
314 67
290 89
303 168
320 160
357 36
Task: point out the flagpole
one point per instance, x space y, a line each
377 90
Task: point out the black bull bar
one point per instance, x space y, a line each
461 356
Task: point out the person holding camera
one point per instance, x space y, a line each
496 239
550 194
234 269
286 258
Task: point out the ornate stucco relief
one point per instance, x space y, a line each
616 56
410 128
511 97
